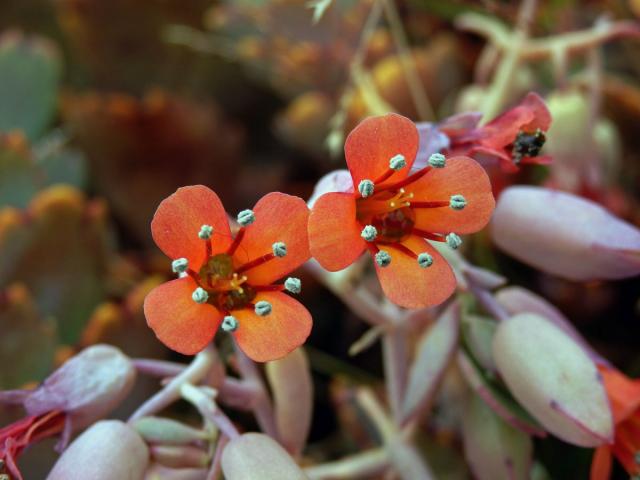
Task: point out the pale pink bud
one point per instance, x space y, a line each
565 235
554 379
254 455
494 449
290 380
336 181
87 387
107 450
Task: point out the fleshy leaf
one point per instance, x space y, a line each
123 454
555 380
254 455
494 449
565 235
433 355
290 381
27 342
477 332
519 300
501 402
58 248
29 82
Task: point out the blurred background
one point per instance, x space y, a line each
106 107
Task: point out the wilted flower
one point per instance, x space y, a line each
565 235
226 281
624 396
392 213
85 389
109 449
513 138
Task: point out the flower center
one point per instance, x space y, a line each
394 226
227 289
390 213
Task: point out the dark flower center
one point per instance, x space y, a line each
528 144
227 289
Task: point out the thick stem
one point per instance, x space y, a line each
194 373
208 409
394 350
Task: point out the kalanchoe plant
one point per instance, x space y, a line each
394 214
227 281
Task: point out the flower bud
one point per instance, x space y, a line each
565 235
107 450
290 381
248 454
87 387
554 379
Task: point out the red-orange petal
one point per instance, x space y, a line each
178 219
623 393
601 464
409 285
371 145
334 233
180 323
275 335
462 176
279 218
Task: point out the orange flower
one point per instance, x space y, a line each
229 281
392 212
624 396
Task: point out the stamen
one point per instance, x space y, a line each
433 204
263 308
246 218
397 162
205 232
457 202
425 260
236 242
200 295
437 160
383 258
436 237
369 233
293 285
402 183
453 240
230 324
366 188
279 249
256 262
180 265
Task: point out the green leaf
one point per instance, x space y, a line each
29 80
